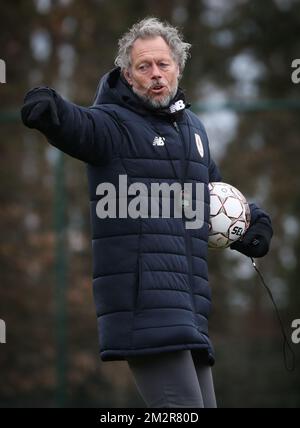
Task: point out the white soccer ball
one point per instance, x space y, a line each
229 215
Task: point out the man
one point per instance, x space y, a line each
150 275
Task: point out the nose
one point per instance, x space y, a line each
156 73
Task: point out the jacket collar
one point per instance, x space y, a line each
114 89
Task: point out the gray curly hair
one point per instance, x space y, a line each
148 28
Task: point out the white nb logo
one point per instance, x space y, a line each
159 141
179 105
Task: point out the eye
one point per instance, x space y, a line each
143 67
163 64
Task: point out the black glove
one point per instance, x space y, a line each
256 241
39 110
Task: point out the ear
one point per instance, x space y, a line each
127 76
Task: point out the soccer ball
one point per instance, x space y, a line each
229 215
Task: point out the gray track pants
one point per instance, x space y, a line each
173 379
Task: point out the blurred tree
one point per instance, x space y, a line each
262 162
241 50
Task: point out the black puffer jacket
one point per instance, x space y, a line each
150 275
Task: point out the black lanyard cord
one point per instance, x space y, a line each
286 344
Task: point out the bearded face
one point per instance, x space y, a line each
153 74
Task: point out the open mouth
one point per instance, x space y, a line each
158 88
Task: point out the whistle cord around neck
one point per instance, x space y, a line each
286 344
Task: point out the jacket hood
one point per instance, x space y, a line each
114 89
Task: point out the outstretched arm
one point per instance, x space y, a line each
84 133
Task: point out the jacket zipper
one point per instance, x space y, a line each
186 237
